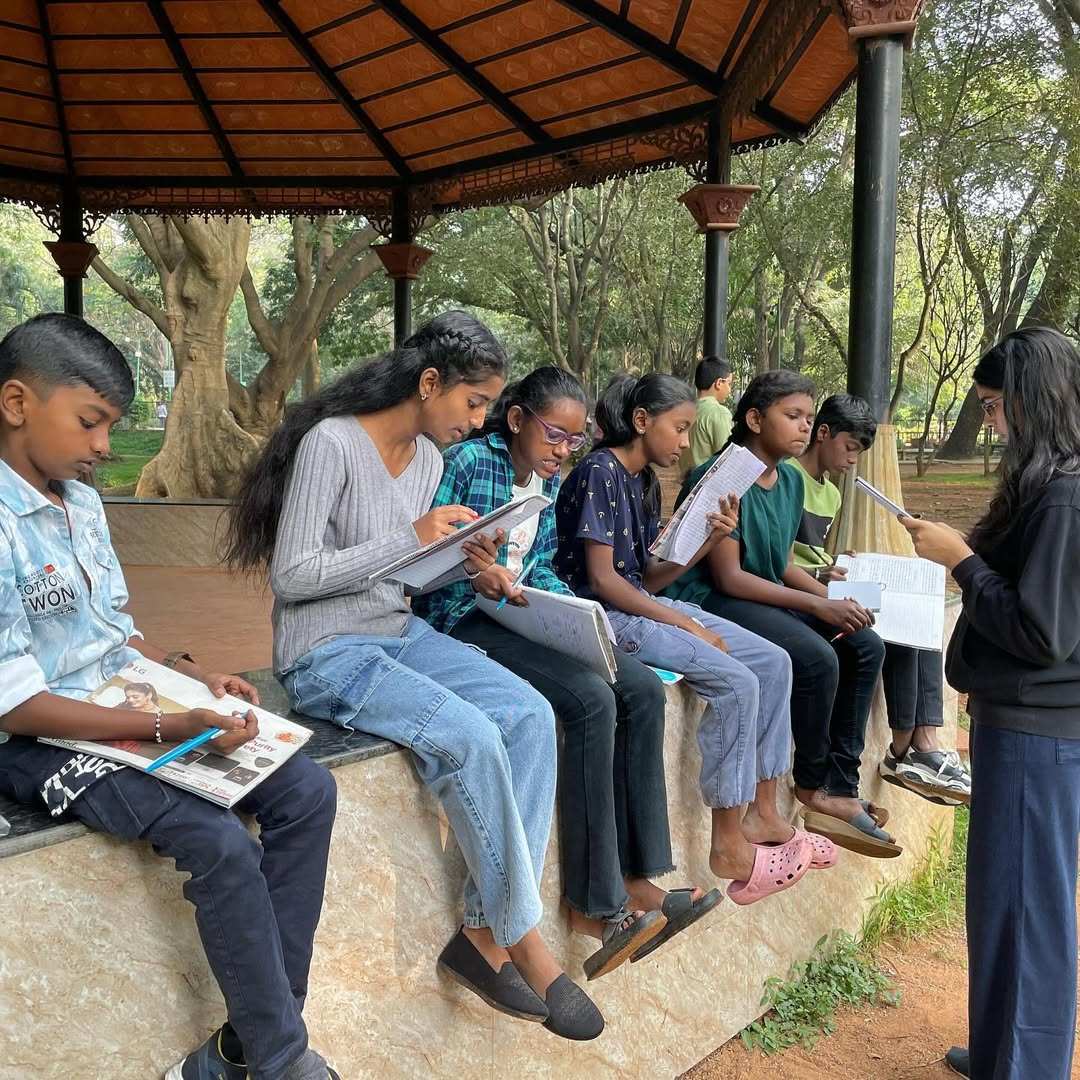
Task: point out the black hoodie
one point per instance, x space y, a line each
1016 647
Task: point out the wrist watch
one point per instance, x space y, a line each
174 658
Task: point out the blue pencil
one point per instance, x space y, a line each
525 571
183 748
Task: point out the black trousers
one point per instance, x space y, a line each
1021 903
612 795
832 689
914 684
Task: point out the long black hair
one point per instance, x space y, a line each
622 397
537 391
1040 382
63 350
459 347
765 390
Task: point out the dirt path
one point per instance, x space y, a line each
903 1043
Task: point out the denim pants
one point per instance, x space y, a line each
914 684
745 731
833 689
483 741
613 813
1021 903
257 903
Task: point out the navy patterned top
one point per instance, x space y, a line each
602 502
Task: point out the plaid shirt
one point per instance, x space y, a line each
479 474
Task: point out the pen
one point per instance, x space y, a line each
183 748
525 571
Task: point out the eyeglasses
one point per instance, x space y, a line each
990 404
555 435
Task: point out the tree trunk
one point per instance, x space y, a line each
205 450
963 440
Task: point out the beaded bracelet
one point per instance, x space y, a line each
157 725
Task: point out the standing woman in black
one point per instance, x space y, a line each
1016 652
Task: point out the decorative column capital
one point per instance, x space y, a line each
882 18
403 261
72 257
718 207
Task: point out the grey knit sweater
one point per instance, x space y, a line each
343 518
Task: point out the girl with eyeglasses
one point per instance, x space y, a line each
613 802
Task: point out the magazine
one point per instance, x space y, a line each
421 567
732 473
145 686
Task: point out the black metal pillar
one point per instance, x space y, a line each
401 233
71 232
873 254
717 245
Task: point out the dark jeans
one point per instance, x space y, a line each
833 686
914 684
1021 904
257 903
612 796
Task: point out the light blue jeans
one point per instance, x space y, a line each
484 743
745 731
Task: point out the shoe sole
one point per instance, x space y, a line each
619 957
934 792
849 837
460 979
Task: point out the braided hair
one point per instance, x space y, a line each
456 345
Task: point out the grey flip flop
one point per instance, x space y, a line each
621 939
860 835
681 911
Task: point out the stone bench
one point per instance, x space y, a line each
100 954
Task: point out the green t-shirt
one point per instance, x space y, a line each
768 521
709 434
821 504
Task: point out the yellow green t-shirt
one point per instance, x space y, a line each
710 431
821 504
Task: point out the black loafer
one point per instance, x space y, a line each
571 1012
504 990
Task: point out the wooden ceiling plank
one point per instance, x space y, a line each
54 82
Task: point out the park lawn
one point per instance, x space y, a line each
131 450
967 479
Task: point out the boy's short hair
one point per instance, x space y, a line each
63 350
709 369
846 413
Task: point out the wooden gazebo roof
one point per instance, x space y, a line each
294 105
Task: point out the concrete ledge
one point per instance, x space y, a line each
166 532
100 954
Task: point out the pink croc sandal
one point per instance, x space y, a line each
823 851
775 869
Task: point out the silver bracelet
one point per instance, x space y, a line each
157 726
472 576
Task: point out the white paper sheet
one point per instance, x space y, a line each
733 473
421 567
912 597
867 593
569 624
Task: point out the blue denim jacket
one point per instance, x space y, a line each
61 591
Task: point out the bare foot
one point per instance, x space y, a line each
485 945
644 894
765 828
533 959
837 806
735 862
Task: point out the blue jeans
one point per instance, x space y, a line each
483 740
257 903
1021 903
745 731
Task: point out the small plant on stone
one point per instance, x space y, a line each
803 1007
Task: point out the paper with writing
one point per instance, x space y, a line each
879 497
732 473
912 597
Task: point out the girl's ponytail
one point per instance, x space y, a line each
459 347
